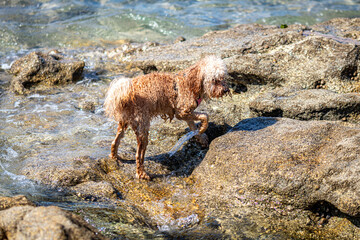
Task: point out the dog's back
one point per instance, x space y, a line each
149 95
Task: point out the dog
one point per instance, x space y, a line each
134 102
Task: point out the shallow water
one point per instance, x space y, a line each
50 125
30 24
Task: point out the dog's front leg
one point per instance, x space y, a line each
204 119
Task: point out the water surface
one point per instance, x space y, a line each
60 23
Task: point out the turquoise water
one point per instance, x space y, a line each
28 24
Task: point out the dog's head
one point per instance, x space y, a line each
213 72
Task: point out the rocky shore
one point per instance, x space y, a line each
283 162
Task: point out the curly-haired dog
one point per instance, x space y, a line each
136 101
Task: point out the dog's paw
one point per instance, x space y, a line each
114 157
142 175
203 140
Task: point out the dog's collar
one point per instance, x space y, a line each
175 87
198 101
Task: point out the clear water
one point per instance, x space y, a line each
28 24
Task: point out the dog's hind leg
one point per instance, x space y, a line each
142 135
115 144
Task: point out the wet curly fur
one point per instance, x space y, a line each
134 102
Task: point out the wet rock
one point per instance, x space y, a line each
257 54
88 105
8 202
66 173
44 68
273 163
30 222
312 104
342 27
180 39
95 190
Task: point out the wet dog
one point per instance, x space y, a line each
134 102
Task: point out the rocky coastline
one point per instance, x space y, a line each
283 162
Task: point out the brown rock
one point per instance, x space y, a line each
28 222
8 202
283 176
256 54
295 162
311 104
45 68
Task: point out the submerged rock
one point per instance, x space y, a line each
30 222
44 68
311 104
285 165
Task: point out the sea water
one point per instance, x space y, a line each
29 24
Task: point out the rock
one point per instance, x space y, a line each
30 222
66 173
311 104
274 163
256 54
8 202
299 162
82 176
342 27
88 105
44 68
95 190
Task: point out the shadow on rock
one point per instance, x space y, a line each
185 160
254 124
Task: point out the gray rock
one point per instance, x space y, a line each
312 104
45 68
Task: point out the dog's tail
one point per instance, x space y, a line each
118 95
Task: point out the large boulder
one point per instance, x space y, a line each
299 163
310 104
82 176
296 56
30 222
285 165
44 68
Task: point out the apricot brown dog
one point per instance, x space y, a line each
134 102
